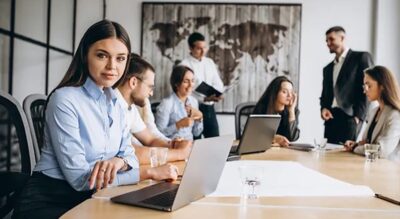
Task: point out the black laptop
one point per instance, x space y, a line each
202 172
257 136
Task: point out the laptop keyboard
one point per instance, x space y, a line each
164 199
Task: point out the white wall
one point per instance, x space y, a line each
356 16
388 35
318 16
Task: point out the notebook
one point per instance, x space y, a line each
257 136
207 90
201 175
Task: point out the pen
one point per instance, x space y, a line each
387 199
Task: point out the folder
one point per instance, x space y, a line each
207 90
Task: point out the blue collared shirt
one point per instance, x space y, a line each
170 111
85 125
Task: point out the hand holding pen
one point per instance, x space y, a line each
188 107
193 113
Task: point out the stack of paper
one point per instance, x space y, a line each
286 178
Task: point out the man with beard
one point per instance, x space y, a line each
137 86
343 103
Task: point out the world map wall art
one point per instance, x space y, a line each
250 43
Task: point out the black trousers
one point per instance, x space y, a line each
210 123
46 197
341 128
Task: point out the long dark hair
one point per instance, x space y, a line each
266 103
78 72
384 77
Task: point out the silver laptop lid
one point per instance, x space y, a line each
258 133
203 169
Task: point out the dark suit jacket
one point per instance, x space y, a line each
348 89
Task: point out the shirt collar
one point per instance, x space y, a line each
95 91
342 56
194 59
177 98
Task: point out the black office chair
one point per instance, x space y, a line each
242 112
17 157
154 106
34 105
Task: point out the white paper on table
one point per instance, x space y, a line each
287 178
330 146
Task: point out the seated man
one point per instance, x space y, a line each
135 88
148 118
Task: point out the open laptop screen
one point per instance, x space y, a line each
258 133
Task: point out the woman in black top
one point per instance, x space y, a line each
279 98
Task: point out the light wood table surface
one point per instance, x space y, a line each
382 176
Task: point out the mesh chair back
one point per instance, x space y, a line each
34 105
242 112
154 106
16 151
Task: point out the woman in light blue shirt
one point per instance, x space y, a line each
86 142
178 115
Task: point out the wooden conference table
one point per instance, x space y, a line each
382 176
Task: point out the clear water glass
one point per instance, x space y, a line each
371 152
158 156
321 144
251 177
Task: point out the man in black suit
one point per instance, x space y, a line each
343 103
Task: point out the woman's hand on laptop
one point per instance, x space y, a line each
281 140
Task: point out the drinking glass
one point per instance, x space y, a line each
321 144
251 180
158 156
371 152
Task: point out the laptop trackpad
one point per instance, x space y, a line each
150 191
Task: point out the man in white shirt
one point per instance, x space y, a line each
343 103
205 70
146 113
135 88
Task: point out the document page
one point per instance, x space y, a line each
287 178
